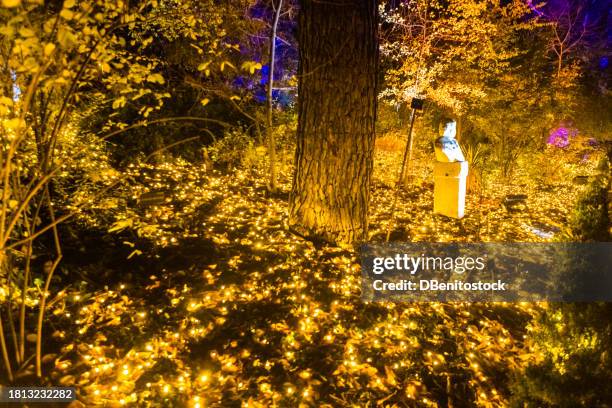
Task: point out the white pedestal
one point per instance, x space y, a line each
449 188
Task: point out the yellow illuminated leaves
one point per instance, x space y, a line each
121 225
156 78
48 49
7 31
140 94
105 67
390 376
251 66
204 67
146 111
66 14
146 42
10 3
6 104
119 103
171 341
65 37
226 64
135 252
13 124
26 32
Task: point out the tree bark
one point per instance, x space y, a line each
336 116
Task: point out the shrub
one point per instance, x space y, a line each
571 342
571 356
235 149
391 142
590 220
476 155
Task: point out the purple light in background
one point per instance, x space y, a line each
264 74
560 137
603 62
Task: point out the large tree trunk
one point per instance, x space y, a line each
337 111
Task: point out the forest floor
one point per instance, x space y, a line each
208 299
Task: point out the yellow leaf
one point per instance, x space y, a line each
121 225
26 32
226 63
10 3
391 379
30 64
251 66
66 14
7 31
156 78
203 66
119 102
134 252
48 50
65 37
205 101
69 4
14 124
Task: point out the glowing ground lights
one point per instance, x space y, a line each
259 317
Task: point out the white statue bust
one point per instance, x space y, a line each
446 146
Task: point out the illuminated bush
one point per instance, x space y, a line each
571 357
590 220
235 149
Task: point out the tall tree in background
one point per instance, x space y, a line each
446 50
336 117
